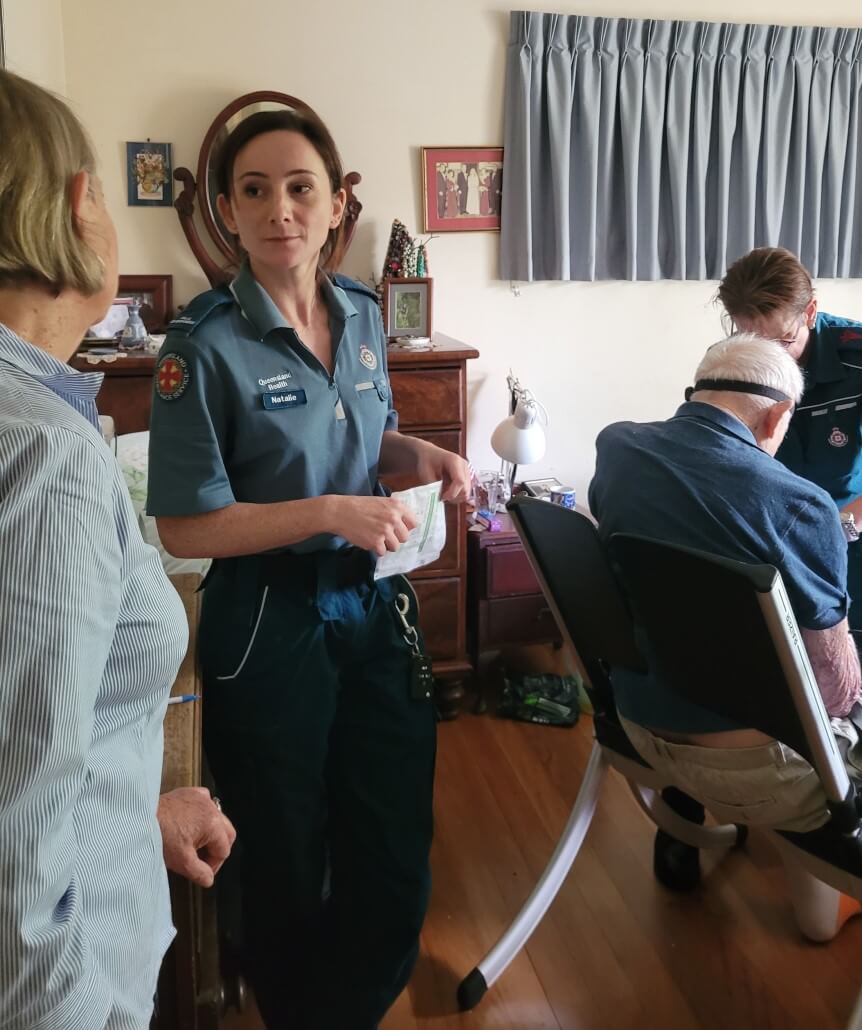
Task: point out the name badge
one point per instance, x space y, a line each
284 399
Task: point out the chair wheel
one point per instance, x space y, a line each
741 836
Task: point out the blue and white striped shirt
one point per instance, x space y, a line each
91 636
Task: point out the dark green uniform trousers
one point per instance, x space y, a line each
325 763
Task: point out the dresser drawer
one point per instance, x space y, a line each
441 616
508 572
428 398
521 620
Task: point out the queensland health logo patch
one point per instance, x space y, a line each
367 356
172 377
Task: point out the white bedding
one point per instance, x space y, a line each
132 455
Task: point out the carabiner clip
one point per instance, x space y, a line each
411 637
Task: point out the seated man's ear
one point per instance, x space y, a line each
773 425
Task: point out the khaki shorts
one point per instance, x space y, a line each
769 785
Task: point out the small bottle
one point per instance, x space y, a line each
134 335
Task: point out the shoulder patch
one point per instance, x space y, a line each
353 285
849 336
172 376
199 309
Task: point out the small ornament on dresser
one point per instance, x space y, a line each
134 335
406 257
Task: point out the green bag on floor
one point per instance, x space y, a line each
543 698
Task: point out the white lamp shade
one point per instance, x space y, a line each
519 438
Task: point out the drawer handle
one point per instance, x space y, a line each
542 612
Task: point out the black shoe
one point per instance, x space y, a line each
675 865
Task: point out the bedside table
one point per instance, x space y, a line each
505 604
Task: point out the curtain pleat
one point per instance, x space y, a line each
644 149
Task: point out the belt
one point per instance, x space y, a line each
346 567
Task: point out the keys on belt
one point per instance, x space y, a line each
421 676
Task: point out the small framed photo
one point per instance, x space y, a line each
541 488
407 307
156 294
462 188
150 174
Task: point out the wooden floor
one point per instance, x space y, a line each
615 951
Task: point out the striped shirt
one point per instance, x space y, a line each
91 636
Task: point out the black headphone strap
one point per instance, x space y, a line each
736 386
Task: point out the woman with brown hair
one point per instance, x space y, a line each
769 292
271 423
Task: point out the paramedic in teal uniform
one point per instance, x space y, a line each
769 292
271 422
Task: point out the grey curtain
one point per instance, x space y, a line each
640 149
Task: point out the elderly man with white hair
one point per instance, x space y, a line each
707 479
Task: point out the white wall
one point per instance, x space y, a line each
33 33
388 77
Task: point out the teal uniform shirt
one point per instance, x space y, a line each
244 412
824 442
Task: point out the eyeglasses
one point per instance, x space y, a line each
787 337
790 335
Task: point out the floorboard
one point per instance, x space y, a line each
615 951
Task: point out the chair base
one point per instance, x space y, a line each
474 986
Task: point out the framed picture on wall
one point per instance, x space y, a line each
150 175
407 307
462 188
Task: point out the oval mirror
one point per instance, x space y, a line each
206 191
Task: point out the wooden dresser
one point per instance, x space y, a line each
430 391
506 605
126 393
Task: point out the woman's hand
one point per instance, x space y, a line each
377 524
424 462
436 463
196 837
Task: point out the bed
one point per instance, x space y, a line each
132 454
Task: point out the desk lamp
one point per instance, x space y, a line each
519 439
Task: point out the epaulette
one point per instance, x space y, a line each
199 309
346 283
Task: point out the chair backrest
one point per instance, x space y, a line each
579 586
720 633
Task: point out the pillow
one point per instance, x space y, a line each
133 456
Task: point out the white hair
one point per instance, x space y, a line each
748 358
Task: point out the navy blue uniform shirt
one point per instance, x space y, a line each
700 480
244 412
824 443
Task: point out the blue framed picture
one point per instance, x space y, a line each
148 166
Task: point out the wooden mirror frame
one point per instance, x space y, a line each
198 191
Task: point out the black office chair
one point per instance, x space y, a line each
688 605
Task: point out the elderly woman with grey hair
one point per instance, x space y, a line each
91 631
